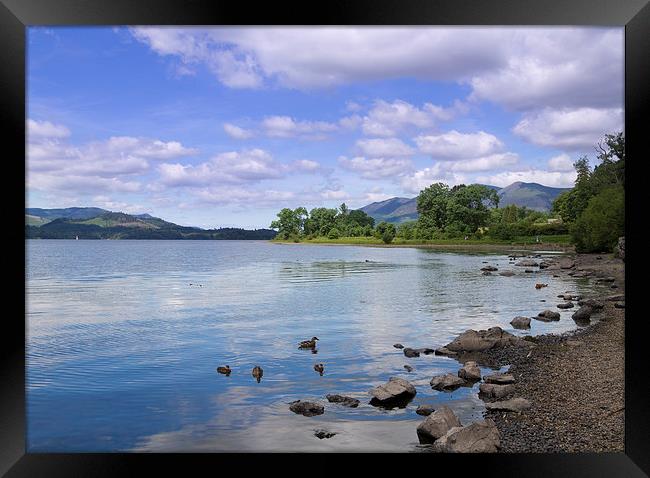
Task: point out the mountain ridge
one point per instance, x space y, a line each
86 223
531 195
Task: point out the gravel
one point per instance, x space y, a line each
575 382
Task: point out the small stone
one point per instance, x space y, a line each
323 434
398 346
425 410
308 409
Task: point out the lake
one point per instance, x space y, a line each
124 338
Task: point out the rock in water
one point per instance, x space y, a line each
473 341
489 269
527 263
343 400
499 378
398 346
470 371
512 405
447 382
593 303
479 437
395 390
308 409
437 424
548 316
425 410
520 322
492 390
565 305
582 314
409 352
408 368
506 273
323 434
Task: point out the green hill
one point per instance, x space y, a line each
118 225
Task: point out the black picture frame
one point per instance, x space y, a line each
16 15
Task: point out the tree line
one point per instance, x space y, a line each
592 212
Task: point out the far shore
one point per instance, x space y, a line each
460 245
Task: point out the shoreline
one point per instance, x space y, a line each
453 246
575 381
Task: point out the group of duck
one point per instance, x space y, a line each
258 372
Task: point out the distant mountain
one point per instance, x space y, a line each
531 195
95 223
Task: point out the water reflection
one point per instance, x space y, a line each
122 350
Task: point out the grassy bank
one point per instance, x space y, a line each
557 242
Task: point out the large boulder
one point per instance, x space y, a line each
520 322
548 316
479 437
395 390
473 341
470 371
499 378
512 405
308 409
446 382
492 390
437 424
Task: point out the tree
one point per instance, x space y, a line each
290 223
432 208
602 222
385 231
321 220
468 208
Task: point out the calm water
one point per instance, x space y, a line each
124 338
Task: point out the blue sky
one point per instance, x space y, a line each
218 127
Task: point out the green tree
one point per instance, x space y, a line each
468 208
321 220
602 222
432 208
290 223
385 231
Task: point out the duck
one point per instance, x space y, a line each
257 373
319 368
539 286
224 370
308 344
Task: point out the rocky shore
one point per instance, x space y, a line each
574 382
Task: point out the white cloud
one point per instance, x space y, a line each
375 168
485 163
45 129
456 146
236 132
570 129
556 67
562 162
520 68
53 164
547 178
388 119
422 178
384 147
287 127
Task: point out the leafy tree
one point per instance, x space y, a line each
407 230
290 223
334 233
320 221
468 207
432 208
385 231
602 222
360 218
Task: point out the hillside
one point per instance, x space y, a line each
531 195
79 222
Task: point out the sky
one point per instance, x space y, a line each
224 126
